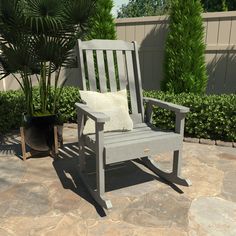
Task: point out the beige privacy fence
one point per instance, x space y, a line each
151 32
220 54
10 83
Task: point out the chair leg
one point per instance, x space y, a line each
100 177
176 169
177 162
100 173
174 176
98 194
100 199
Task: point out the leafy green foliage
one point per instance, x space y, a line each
211 116
218 5
38 37
12 106
231 5
69 97
66 104
184 64
102 25
138 8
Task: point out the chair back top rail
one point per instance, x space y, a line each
112 65
98 44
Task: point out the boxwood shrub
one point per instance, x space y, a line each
12 107
68 98
211 116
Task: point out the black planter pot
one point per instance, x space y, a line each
39 132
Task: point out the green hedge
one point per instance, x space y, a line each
12 106
211 117
68 98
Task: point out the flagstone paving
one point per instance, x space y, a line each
45 197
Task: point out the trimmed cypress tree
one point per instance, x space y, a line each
184 63
102 25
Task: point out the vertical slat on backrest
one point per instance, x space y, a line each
91 70
121 69
138 80
130 75
127 61
81 65
101 71
111 71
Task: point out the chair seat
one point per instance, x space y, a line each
142 141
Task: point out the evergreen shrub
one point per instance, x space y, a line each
12 107
210 116
102 25
184 63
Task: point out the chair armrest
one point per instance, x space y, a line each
98 117
166 105
180 112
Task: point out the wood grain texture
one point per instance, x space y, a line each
132 84
121 70
91 70
101 71
81 65
109 45
111 71
143 140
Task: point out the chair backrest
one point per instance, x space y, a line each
112 65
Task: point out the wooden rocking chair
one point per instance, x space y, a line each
143 141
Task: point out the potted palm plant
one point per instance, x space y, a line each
37 38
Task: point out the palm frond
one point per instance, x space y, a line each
44 16
38 37
53 49
77 12
19 57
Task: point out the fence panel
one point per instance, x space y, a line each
151 32
220 54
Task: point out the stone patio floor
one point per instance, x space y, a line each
46 197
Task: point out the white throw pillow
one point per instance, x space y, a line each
113 104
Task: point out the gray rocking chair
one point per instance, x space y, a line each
123 62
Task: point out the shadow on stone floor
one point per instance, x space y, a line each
66 169
2 139
118 176
7 150
10 147
13 148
